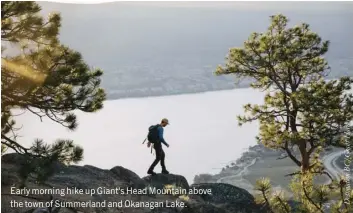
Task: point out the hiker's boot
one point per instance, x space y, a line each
164 171
151 172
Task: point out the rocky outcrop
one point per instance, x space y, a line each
160 180
229 197
129 176
224 199
204 208
224 193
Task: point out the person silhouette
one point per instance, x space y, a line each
160 155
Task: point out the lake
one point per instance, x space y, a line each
204 134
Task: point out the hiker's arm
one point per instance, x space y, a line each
160 131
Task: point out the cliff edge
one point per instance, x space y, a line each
92 189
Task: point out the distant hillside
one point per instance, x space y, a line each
154 50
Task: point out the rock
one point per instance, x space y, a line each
226 198
86 177
230 197
47 210
222 192
12 158
165 210
9 174
203 208
160 180
129 176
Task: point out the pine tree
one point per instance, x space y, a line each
302 110
44 77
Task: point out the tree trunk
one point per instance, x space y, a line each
305 156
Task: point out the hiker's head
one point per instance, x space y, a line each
164 122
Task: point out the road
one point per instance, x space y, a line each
330 164
238 179
238 175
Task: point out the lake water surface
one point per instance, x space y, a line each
203 135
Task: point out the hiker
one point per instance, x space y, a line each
157 145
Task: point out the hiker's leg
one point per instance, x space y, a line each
155 162
164 170
162 159
158 158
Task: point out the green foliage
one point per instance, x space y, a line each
21 22
274 202
300 108
3 149
302 112
42 159
43 77
310 197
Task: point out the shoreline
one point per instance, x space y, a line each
261 162
235 87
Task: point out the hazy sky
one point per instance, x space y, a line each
251 5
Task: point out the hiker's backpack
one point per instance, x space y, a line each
152 136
